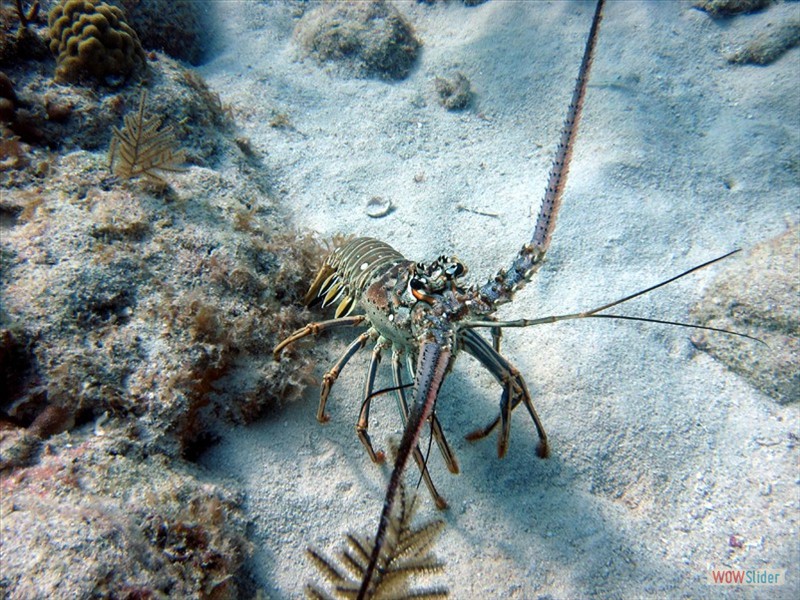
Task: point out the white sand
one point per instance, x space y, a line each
660 454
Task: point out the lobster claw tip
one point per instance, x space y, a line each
502 448
542 449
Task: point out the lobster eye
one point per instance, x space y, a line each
417 283
418 286
454 269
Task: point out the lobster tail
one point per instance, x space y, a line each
348 271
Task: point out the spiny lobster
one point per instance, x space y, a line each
426 316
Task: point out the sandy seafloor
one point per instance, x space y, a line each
659 453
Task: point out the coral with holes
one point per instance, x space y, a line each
114 363
93 39
120 325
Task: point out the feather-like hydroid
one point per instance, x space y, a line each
141 149
405 557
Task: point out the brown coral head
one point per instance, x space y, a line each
91 39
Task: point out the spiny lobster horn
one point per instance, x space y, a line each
433 363
502 286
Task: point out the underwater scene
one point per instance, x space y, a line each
363 299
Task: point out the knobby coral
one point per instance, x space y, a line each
92 39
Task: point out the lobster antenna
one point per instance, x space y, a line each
677 324
663 283
546 221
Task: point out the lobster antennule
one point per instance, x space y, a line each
502 286
597 311
432 365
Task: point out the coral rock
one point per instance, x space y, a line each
758 295
454 93
770 44
367 39
726 8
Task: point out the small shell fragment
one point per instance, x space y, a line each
378 207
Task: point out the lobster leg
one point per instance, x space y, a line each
315 329
363 418
363 425
514 391
330 377
497 335
436 427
